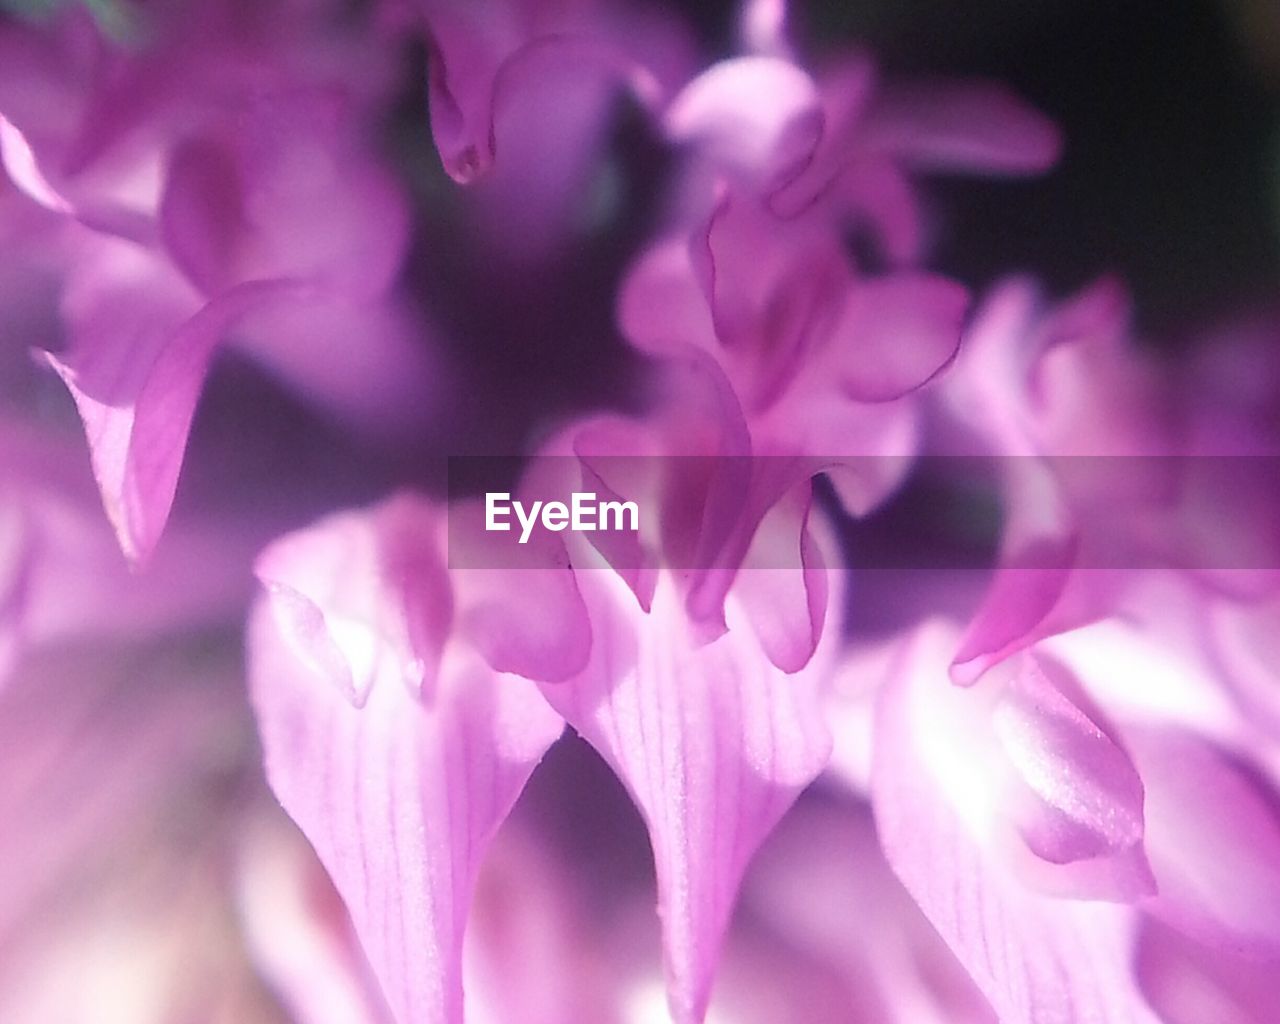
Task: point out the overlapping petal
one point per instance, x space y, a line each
1035 957
397 749
713 743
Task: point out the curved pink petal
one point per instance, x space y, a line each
782 584
525 616
661 308
771 286
758 119
823 883
960 126
141 347
897 333
481 54
298 932
20 163
1038 959
1021 599
399 796
1189 983
1071 790
1213 841
713 742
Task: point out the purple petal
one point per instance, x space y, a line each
20 163
523 612
758 119
141 347
298 932
23 167
1075 796
243 207
714 744
1037 959
963 127
661 308
897 333
399 797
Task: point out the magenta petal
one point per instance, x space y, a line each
20 162
879 194
1214 842
202 213
964 127
714 744
142 345
523 612
896 333
1039 960
769 284
399 797
1036 571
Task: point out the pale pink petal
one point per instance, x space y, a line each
20 163
1072 792
762 26
1038 959
401 796
714 744
782 584
156 716
297 931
